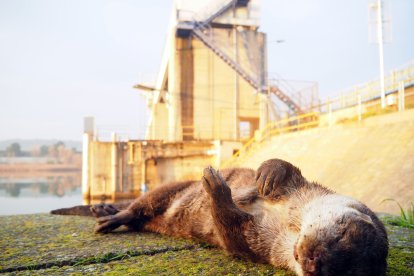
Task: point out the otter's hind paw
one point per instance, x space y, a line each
103 210
215 185
108 223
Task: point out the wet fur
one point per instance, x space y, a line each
273 215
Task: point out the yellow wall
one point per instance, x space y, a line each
159 125
159 172
221 96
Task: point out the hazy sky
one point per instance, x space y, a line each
63 60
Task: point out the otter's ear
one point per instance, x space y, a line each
362 217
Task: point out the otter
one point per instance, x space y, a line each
273 215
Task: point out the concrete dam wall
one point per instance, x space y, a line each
370 160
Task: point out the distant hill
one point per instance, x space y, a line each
31 143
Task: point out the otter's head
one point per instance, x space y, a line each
341 242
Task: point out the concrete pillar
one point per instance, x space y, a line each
186 88
87 157
381 50
264 112
143 167
86 185
401 96
114 165
236 134
174 93
174 121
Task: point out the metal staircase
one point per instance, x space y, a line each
198 31
285 99
219 12
234 65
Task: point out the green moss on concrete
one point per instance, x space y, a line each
185 262
401 261
45 244
401 253
33 240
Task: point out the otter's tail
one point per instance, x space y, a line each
80 210
85 210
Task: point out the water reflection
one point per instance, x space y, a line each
48 186
39 193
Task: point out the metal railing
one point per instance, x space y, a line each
370 91
302 93
364 97
300 122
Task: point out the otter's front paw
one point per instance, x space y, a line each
216 186
275 178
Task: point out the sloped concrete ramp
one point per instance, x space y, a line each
370 160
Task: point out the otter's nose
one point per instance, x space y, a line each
310 266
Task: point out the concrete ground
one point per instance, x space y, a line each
48 244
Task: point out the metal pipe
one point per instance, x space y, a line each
381 51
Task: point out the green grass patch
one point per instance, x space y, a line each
406 218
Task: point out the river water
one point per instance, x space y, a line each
39 194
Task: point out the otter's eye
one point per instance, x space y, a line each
295 253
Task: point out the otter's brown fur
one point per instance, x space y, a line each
273 215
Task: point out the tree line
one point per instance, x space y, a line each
55 150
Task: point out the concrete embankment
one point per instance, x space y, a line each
66 245
62 245
370 160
